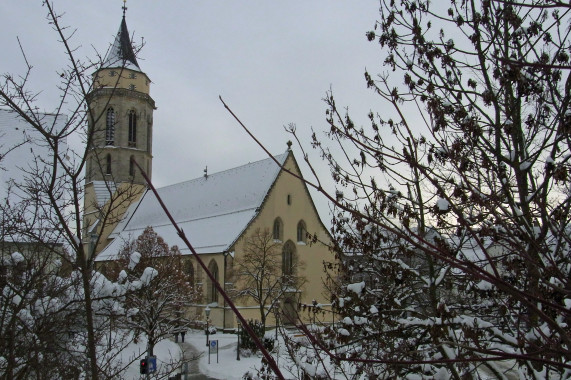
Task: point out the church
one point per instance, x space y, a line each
219 212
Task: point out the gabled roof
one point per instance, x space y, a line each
213 210
121 53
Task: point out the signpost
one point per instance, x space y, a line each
238 346
148 365
207 312
211 347
152 364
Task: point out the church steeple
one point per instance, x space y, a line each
120 122
121 53
122 111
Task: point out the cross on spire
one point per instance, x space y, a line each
124 7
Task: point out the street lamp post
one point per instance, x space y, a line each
207 312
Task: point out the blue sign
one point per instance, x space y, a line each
152 363
212 346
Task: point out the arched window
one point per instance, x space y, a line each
132 128
110 127
211 292
278 230
108 164
189 270
132 166
301 232
288 258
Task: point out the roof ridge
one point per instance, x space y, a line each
264 197
222 171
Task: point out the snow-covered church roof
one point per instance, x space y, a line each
213 210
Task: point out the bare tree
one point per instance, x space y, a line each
48 208
451 206
263 275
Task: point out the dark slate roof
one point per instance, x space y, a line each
121 53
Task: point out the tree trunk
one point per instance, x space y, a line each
91 341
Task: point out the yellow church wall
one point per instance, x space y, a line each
309 257
300 207
113 211
122 78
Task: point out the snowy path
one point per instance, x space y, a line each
190 355
227 366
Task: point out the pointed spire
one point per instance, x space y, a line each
121 53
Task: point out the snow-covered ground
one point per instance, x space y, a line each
227 367
168 353
224 367
230 368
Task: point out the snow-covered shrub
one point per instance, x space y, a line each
247 343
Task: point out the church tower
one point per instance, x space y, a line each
123 116
120 123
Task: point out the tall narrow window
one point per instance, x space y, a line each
189 269
288 255
132 128
132 166
278 229
301 232
198 275
211 292
110 127
108 164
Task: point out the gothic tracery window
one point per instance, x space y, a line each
132 128
288 257
189 269
132 166
278 229
108 164
301 232
110 127
211 292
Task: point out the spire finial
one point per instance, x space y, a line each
124 7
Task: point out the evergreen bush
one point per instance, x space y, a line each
247 343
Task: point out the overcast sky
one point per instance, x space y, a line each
271 61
